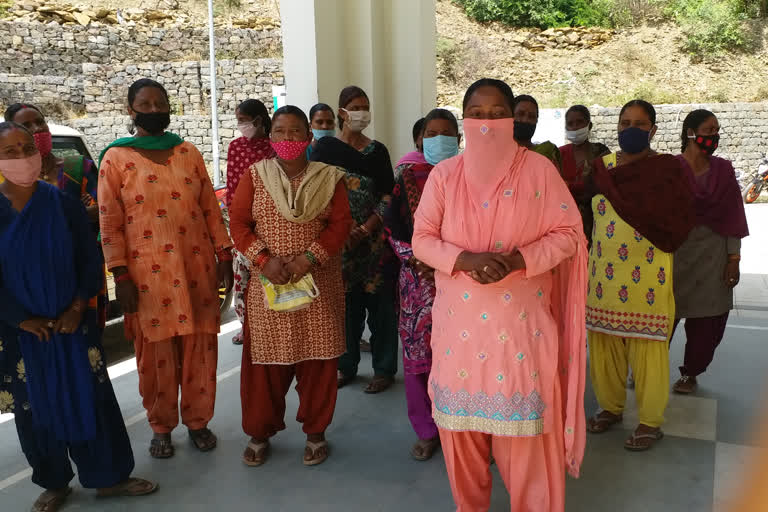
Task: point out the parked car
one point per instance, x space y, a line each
69 142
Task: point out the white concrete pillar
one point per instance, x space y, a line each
387 47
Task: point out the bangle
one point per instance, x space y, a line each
734 257
122 277
365 229
310 257
261 259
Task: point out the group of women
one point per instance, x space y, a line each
483 263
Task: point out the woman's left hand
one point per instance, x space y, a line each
70 320
732 274
298 267
225 275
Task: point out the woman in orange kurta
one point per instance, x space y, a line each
291 217
163 233
504 236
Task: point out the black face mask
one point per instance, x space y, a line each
153 123
524 131
707 143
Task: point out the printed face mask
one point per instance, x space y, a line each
707 143
23 172
44 143
439 148
290 149
358 120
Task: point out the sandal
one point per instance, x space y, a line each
603 422
379 384
129 487
161 447
424 449
685 385
260 453
237 339
632 444
313 448
203 439
342 380
51 500
365 346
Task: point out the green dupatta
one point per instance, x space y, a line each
165 141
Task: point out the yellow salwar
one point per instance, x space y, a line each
630 314
610 358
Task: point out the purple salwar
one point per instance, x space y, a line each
702 337
420 406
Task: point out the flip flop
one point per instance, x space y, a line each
631 443
379 384
314 447
129 487
52 502
260 454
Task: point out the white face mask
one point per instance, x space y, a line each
357 120
578 136
247 129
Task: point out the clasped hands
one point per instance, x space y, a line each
286 269
67 323
489 267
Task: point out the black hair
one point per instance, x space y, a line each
10 125
581 109
347 94
440 113
693 121
500 85
14 109
257 110
418 129
523 98
642 104
140 84
292 110
320 107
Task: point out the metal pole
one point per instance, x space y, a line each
214 100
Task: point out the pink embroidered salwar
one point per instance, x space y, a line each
503 351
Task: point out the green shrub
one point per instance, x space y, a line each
555 13
712 28
5 6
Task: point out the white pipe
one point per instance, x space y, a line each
214 100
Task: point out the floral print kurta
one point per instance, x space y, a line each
163 222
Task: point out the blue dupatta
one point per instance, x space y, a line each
47 259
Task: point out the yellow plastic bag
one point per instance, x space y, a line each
285 298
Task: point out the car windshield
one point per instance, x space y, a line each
65 146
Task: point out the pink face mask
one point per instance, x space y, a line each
290 149
490 154
23 172
44 143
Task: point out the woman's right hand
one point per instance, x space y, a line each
40 327
275 271
128 296
484 267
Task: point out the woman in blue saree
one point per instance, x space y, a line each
53 375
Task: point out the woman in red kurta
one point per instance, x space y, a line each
254 124
291 217
163 233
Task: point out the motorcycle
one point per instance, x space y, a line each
753 190
225 299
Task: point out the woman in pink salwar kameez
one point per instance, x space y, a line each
508 339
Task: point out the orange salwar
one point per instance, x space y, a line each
186 362
521 461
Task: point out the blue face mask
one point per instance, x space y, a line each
319 134
634 140
440 147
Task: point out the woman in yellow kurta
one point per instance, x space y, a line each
642 213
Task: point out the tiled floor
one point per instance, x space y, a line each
695 467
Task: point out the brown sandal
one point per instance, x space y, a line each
260 451
129 487
685 385
312 449
424 449
379 384
603 422
50 500
161 447
632 444
203 439
342 380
